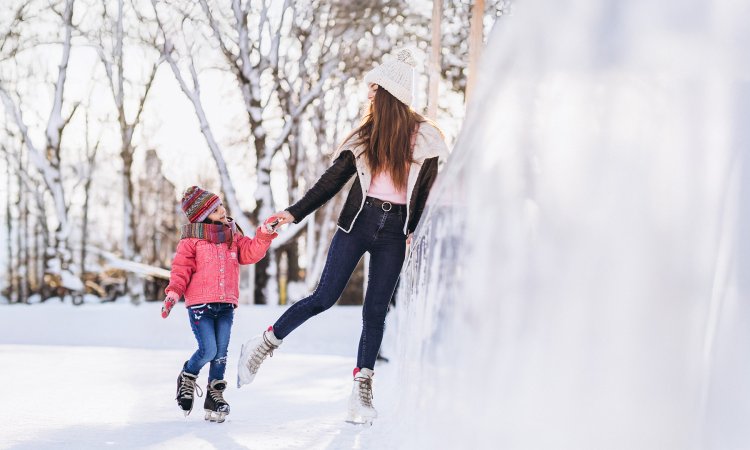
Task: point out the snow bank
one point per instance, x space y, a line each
580 279
121 324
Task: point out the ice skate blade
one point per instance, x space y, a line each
186 411
215 416
361 422
239 367
355 419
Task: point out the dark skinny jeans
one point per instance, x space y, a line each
381 234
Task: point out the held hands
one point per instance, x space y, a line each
273 223
169 303
269 225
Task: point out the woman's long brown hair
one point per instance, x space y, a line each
386 133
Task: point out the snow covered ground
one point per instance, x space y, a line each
103 376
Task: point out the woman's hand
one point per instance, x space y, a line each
284 218
273 223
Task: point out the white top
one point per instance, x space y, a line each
381 187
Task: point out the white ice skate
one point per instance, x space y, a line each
361 410
253 353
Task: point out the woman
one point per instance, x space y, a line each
394 155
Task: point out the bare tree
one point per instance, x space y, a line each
158 219
283 56
10 263
22 233
110 43
47 159
25 231
435 46
175 53
10 42
19 273
456 38
87 176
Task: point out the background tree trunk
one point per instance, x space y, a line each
435 50
476 41
11 263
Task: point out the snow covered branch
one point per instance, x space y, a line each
48 172
56 123
29 183
300 108
130 266
193 94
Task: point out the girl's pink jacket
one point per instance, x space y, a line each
210 273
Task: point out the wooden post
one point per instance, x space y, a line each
476 40
432 100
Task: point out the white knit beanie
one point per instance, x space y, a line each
396 76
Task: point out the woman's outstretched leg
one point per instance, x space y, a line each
343 255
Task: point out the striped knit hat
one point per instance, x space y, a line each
199 204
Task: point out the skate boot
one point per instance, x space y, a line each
215 406
186 387
361 410
252 355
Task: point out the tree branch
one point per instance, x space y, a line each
55 124
41 163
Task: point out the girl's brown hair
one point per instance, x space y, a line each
386 132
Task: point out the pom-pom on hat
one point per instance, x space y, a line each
199 204
396 76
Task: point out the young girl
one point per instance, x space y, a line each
206 270
393 157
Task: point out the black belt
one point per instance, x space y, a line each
385 206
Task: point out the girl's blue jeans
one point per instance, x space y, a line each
212 325
381 234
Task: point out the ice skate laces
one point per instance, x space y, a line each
263 351
365 391
216 395
187 386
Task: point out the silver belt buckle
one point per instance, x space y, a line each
390 206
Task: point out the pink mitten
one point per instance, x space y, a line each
169 303
270 224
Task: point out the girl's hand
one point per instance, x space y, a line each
169 303
408 239
269 225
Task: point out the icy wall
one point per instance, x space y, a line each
581 279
